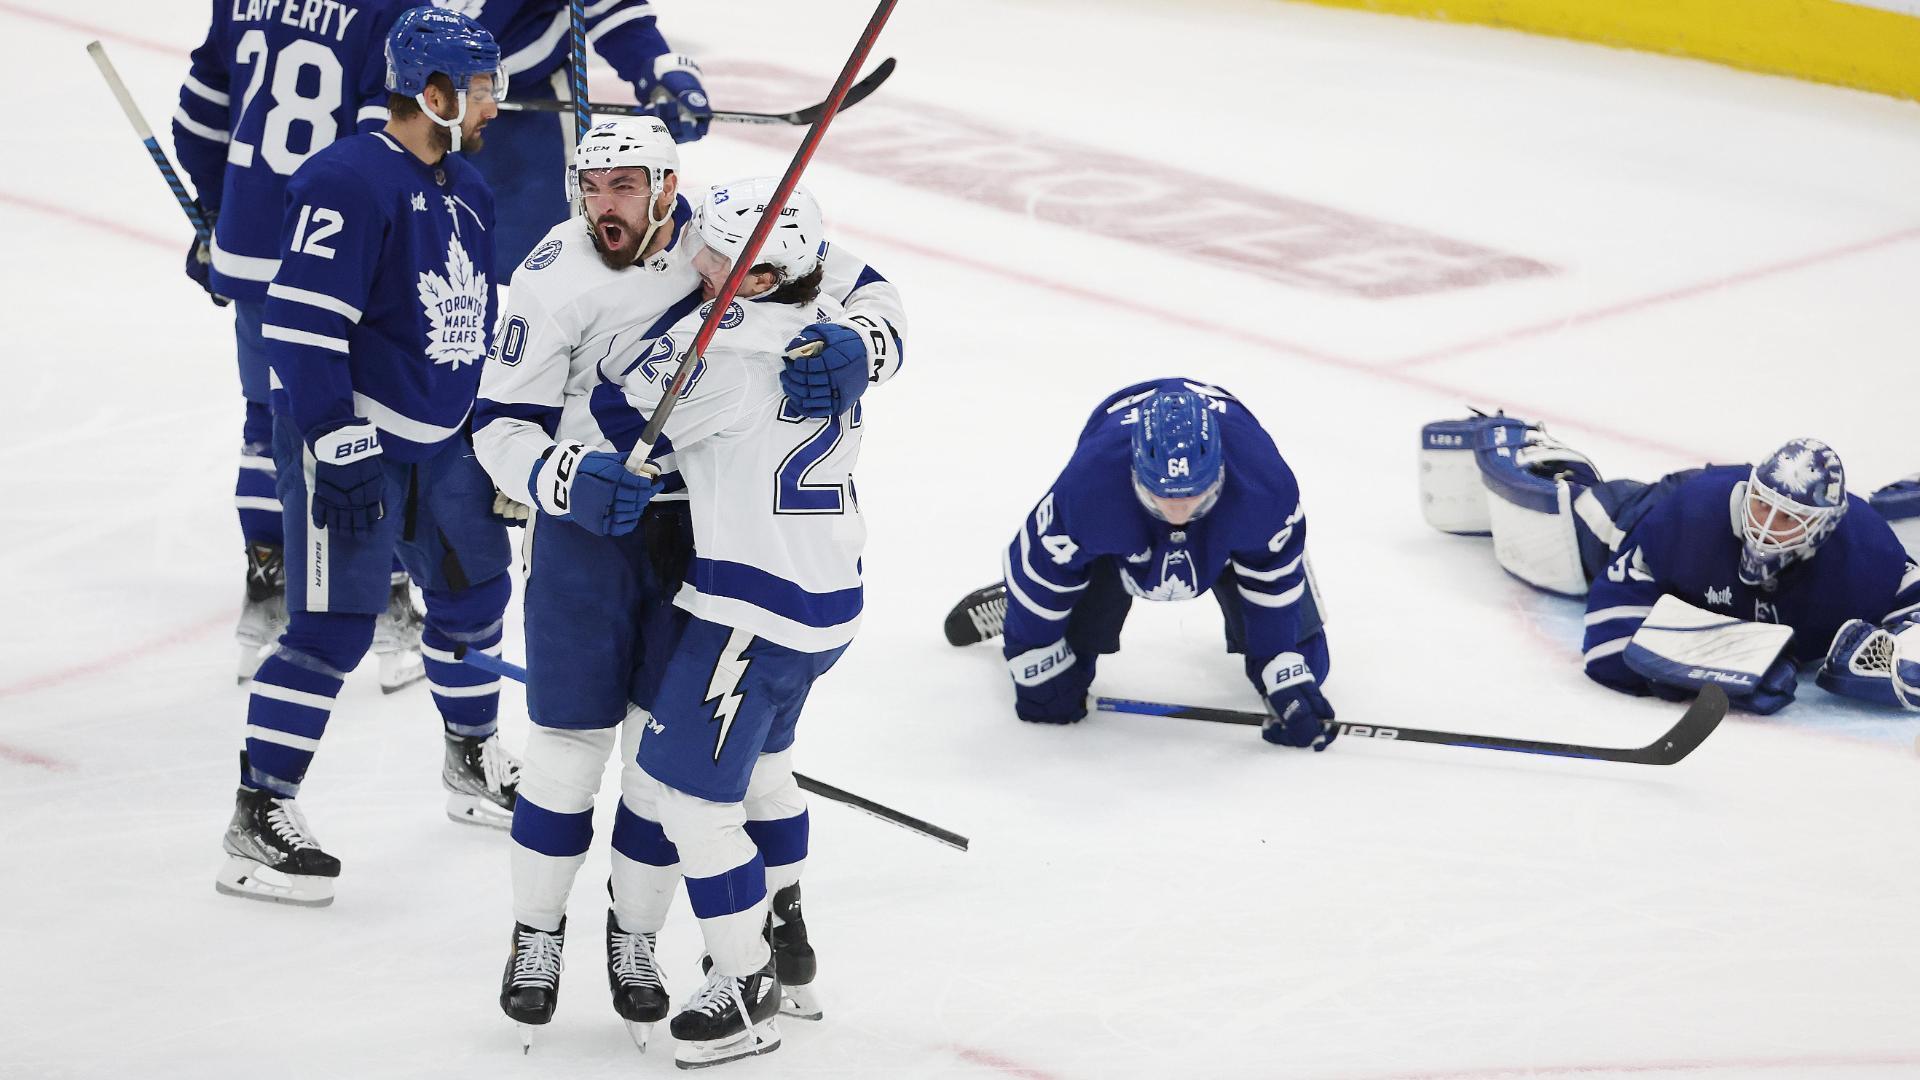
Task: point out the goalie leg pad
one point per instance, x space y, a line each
1451 496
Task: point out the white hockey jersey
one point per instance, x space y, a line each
541 382
777 532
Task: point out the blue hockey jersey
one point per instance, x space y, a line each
1687 546
273 84
1257 529
382 308
533 37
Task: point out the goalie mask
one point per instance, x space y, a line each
1178 461
1787 507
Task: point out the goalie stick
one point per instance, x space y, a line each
798 117
496 666
1701 717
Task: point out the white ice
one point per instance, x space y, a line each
1734 262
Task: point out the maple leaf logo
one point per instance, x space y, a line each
456 307
1796 472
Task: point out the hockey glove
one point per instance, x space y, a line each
1775 691
1050 684
832 378
679 100
200 262
591 488
348 477
1298 713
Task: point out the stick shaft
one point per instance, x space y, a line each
577 68
140 128
861 90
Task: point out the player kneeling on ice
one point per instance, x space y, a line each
1735 575
772 598
1173 490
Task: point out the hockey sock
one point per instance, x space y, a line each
646 872
293 696
783 847
726 878
553 819
254 491
468 698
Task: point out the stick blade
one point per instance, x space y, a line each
855 94
1701 718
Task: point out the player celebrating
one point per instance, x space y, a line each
376 323
1680 574
526 157
307 82
599 591
1173 490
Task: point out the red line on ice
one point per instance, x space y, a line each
118 228
104 33
179 635
1652 1067
976 1056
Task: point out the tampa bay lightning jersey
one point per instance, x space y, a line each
274 83
1257 529
381 307
1688 546
533 36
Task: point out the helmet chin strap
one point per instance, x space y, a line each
453 126
653 224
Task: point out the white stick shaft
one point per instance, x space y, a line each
99 54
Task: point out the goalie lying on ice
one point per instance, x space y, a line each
1677 573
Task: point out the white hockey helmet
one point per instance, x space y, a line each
640 142
728 214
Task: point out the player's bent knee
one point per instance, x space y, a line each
561 769
710 837
772 792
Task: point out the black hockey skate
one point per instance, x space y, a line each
633 974
263 615
729 1019
979 616
793 958
482 781
396 638
271 855
530 987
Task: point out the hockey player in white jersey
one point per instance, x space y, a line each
773 596
600 622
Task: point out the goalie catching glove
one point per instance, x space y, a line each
1880 664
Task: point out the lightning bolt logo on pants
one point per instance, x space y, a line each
723 686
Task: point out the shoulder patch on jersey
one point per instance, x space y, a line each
734 317
542 256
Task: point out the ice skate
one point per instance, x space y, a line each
979 616
729 1019
633 974
396 639
530 987
263 615
481 779
793 958
271 854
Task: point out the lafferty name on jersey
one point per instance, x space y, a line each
323 17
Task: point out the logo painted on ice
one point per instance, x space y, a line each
542 256
456 307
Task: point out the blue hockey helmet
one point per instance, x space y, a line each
1177 452
426 41
1789 505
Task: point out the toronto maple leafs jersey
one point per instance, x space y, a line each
381 307
777 531
543 381
1256 528
1688 546
533 36
274 83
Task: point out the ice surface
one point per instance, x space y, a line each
1729 260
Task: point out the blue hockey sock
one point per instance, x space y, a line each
254 492
468 698
293 695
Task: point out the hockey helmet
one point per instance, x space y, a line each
426 41
1177 452
1788 505
794 247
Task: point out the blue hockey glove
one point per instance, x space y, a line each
1049 686
829 381
1301 717
348 478
1775 691
680 101
199 263
592 489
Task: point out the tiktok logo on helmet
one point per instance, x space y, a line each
1788 505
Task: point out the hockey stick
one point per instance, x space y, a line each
743 263
494 665
577 68
798 117
1701 717
140 128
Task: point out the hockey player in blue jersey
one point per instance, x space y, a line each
526 157
376 323
1173 490
271 86
1681 575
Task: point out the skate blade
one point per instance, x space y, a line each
399 670
246 878
799 1002
639 1032
526 1037
475 810
762 1038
